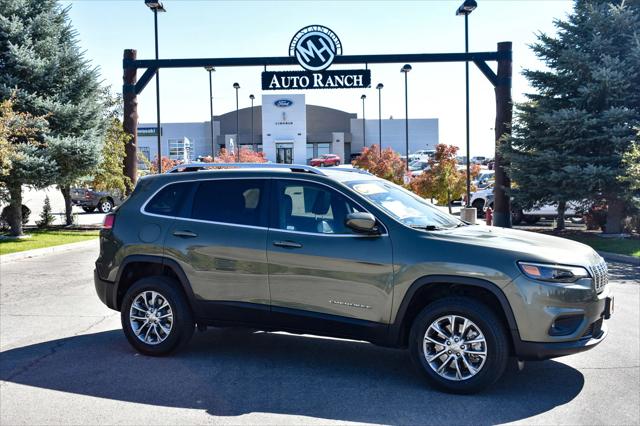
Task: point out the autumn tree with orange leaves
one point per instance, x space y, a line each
386 164
442 180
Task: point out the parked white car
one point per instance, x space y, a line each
422 154
484 198
417 167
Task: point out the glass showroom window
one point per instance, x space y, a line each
324 148
179 149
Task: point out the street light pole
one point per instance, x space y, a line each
405 69
379 87
252 143
156 7
213 143
465 9
364 129
237 86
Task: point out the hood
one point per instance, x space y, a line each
524 245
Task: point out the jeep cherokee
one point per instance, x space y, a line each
342 253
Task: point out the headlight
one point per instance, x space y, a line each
553 273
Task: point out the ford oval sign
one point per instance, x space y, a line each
315 47
283 103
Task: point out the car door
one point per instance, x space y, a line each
319 269
220 243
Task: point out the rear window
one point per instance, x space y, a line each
240 202
168 201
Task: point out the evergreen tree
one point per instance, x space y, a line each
46 218
570 139
43 65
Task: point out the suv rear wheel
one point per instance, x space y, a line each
156 317
459 345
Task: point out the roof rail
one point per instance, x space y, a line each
353 170
194 167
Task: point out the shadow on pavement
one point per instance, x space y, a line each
230 372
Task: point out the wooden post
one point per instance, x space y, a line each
130 120
504 113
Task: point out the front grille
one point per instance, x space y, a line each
600 275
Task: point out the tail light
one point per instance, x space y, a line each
109 221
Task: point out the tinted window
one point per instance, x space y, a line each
231 201
307 207
168 201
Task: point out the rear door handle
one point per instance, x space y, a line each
287 244
185 234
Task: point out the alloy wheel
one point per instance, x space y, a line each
151 317
455 347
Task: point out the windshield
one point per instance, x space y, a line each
403 205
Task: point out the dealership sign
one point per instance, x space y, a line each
315 47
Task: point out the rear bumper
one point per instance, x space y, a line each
105 290
533 351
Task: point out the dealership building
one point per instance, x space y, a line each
287 130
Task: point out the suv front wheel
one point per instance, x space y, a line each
155 316
459 345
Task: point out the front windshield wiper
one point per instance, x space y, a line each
427 227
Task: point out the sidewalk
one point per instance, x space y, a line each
12 257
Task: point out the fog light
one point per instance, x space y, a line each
566 325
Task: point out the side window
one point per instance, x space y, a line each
308 207
168 201
240 201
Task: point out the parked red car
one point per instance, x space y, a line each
325 160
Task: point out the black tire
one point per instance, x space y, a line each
88 209
516 217
497 346
479 205
337 163
105 205
183 323
531 220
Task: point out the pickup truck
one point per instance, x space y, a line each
90 200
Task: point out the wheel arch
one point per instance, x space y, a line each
135 267
433 287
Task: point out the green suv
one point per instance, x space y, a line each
339 252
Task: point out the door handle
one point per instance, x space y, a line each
185 234
287 244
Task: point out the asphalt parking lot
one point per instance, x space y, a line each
64 360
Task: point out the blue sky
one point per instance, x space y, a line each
264 28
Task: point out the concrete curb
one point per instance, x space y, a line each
622 258
6 258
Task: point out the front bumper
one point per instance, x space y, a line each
105 290
535 351
557 320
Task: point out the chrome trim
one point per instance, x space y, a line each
600 274
237 225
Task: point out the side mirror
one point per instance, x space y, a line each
362 222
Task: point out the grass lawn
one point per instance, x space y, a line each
45 238
628 246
